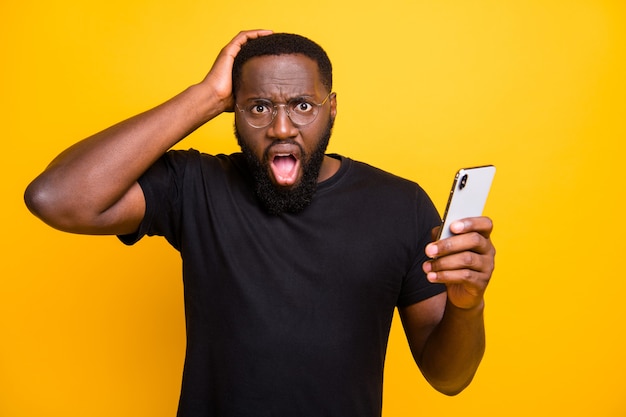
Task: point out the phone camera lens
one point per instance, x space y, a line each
463 182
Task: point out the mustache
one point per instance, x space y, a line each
277 142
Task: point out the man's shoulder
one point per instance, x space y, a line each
194 154
370 172
190 158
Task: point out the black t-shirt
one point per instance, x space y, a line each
288 315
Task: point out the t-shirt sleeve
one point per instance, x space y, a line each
416 287
162 185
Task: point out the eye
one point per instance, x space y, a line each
302 107
259 108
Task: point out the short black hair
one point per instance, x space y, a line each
283 44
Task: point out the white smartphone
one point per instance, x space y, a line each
468 196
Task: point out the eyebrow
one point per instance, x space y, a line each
266 100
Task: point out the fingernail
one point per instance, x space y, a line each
432 250
457 227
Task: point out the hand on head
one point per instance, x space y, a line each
219 78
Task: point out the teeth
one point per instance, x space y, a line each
284 155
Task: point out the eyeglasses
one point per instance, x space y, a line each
261 113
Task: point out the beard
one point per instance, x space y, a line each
276 199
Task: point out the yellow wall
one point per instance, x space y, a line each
89 327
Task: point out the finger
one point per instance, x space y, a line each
242 37
473 241
232 48
482 225
255 33
466 268
472 282
463 260
219 77
456 267
435 232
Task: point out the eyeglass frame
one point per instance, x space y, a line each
285 105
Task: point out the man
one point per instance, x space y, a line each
293 260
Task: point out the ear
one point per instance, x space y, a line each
333 104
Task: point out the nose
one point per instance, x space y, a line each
282 127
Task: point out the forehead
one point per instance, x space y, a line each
280 76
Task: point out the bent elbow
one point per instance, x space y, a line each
451 392
50 205
37 198
451 387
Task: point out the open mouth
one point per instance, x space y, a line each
285 168
285 164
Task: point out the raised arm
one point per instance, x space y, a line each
446 333
92 187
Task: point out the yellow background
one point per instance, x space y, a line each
89 327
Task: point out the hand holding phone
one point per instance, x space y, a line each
467 196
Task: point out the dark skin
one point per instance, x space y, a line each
449 343
92 188
282 79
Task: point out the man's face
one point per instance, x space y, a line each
287 159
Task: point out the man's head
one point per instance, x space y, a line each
283 44
284 113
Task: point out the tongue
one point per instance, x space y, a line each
285 171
